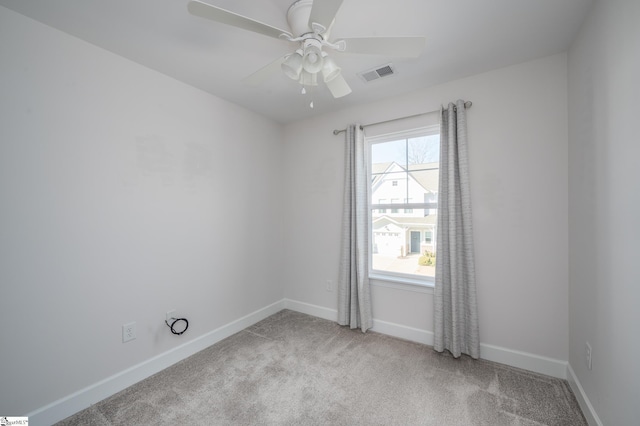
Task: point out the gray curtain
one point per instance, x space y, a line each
354 301
455 308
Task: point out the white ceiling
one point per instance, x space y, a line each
464 37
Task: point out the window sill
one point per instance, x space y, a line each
402 283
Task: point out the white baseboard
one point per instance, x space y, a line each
527 361
587 409
383 327
84 398
313 310
403 332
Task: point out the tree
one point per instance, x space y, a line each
419 151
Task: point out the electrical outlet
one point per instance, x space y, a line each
170 314
588 353
128 332
329 285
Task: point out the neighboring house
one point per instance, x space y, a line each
402 231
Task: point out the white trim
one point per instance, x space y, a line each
313 310
527 361
84 398
587 409
403 332
402 284
383 327
428 130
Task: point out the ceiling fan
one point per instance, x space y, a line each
310 23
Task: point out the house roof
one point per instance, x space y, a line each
407 221
425 174
378 170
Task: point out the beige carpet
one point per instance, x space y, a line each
294 369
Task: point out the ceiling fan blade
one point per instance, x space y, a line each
323 12
338 86
205 10
406 47
264 73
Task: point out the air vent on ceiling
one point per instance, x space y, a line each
379 72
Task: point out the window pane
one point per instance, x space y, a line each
424 149
402 247
404 171
389 151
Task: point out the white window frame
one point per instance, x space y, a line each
396 279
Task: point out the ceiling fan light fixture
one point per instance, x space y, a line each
312 58
330 69
338 87
308 79
292 66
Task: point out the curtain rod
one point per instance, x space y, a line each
467 105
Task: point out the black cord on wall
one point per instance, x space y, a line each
174 322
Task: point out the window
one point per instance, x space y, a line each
394 201
430 198
408 201
427 236
403 247
382 201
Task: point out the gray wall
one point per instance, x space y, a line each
124 193
604 207
518 154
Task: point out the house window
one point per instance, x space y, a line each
430 199
408 201
410 161
382 201
394 201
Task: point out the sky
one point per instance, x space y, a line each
425 149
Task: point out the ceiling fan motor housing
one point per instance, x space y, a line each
298 17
